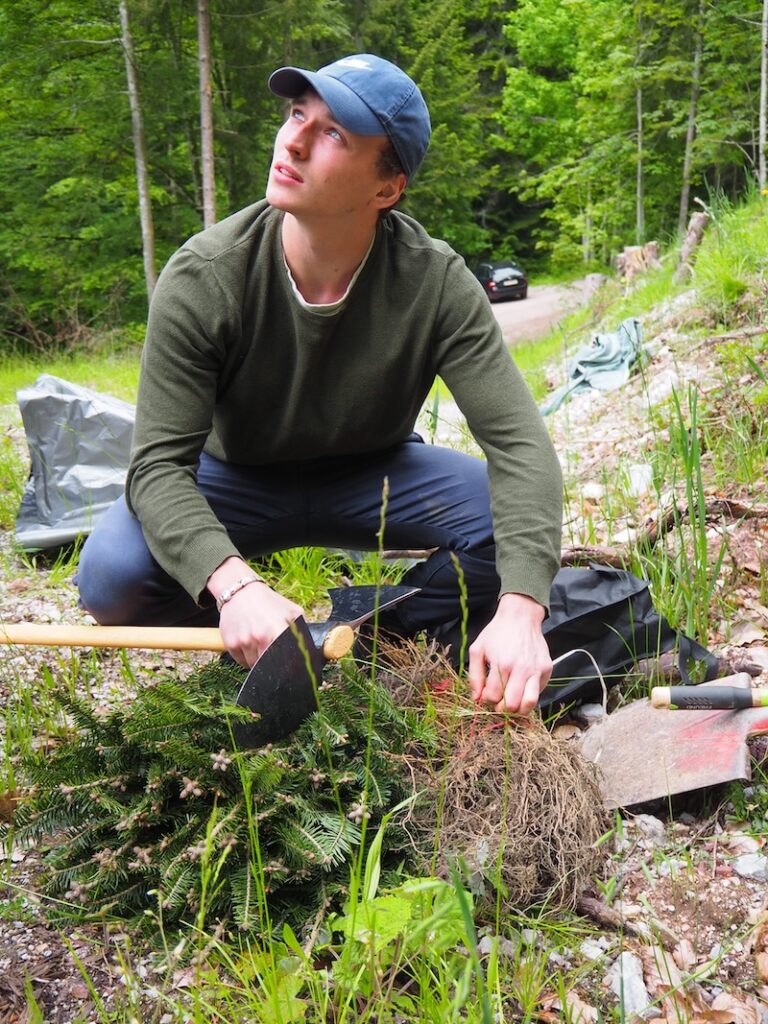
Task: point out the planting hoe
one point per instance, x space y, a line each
281 687
651 753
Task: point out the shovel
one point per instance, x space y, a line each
280 688
647 753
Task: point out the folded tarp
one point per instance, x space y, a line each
604 364
79 442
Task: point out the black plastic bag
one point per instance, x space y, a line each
609 613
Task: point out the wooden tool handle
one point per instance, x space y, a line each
707 698
164 638
338 642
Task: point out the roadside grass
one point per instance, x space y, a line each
111 371
702 443
732 263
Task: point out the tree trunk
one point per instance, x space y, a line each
763 97
640 187
586 234
140 153
206 113
693 110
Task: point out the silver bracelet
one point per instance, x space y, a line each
230 592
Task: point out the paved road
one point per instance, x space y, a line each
532 318
520 320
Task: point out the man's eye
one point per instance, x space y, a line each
335 134
298 114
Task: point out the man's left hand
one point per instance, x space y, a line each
509 662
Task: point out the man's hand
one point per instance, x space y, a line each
509 662
254 616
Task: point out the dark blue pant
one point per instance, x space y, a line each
438 498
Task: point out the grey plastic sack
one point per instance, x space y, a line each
79 442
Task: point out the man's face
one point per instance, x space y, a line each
320 169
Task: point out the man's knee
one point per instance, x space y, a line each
106 584
112 571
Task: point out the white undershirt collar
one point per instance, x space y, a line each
328 308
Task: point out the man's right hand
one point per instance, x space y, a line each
254 616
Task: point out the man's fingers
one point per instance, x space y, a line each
530 697
476 673
518 697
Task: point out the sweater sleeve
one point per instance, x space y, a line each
184 352
523 468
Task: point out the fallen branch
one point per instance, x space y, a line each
747 332
620 558
714 508
666 667
609 917
581 555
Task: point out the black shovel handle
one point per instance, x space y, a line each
708 698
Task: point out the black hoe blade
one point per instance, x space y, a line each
280 688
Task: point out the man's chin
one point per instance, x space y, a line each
276 197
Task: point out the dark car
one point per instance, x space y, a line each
502 280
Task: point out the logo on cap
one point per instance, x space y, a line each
354 62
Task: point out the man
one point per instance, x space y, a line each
289 351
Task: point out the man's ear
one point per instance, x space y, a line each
391 190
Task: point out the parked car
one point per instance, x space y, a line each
502 280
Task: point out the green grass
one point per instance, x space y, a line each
13 476
733 260
113 373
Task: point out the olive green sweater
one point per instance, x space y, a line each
233 364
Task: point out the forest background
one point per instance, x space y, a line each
563 130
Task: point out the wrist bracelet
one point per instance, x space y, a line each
230 592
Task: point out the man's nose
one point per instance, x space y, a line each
297 138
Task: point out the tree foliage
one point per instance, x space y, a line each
560 128
597 88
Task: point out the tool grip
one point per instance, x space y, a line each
707 698
338 642
164 638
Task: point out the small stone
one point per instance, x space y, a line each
670 867
752 865
649 826
592 491
640 480
594 949
589 713
558 960
625 978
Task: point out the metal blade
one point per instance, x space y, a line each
280 688
354 605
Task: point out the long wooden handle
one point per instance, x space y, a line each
164 638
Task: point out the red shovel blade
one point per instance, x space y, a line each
645 753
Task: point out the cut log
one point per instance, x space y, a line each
634 260
696 227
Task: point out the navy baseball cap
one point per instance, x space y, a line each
369 96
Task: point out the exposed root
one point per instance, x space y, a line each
521 809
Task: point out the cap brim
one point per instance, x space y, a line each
346 106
